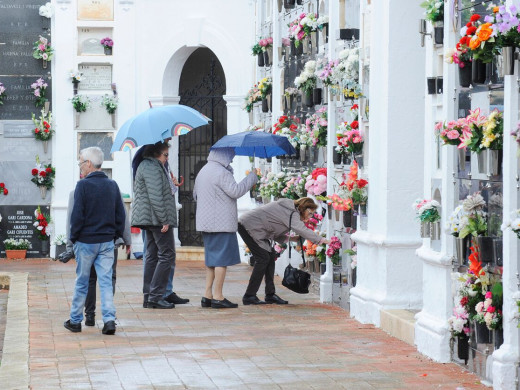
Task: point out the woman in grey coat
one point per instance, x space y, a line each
216 193
154 211
260 228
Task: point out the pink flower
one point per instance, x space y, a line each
452 134
488 295
37 92
270 40
45 56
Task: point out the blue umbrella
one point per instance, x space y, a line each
256 144
157 124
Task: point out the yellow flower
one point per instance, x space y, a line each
488 139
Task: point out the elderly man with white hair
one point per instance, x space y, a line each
97 219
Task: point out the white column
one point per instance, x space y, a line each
389 273
506 358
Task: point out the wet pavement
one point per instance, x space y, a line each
304 345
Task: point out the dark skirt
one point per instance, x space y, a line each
221 249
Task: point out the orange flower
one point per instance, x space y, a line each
495 10
352 175
475 266
474 43
484 32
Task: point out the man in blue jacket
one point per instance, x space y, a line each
97 219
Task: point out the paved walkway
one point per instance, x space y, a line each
305 345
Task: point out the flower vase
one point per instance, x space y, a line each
463 348
270 54
359 159
461 250
498 337
266 199
482 333
77 119
478 72
329 211
325 94
494 162
462 158
337 214
287 54
75 85
314 42
425 229
45 248
336 157
363 209
354 277
250 117
303 152
265 106
281 53
316 96
113 117
16 253
46 107
346 159
312 154
267 59
316 262
44 64
253 194
486 249
43 191
280 5
290 3
508 61
438 35
107 51
347 218
325 33
497 251
465 75
308 99
324 154
299 2
305 45
45 146
482 160
260 59
294 50
435 230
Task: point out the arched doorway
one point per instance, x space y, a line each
201 86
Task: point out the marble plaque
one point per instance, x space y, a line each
17 129
95 9
17 222
17 178
22 149
16 55
95 77
22 16
96 117
19 102
102 140
89 40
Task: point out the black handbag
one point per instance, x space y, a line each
295 279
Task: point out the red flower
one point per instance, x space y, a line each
293 127
464 301
464 40
490 309
36 131
354 124
46 124
34 172
43 174
474 17
361 183
48 170
282 119
5 191
354 107
319 171
469 24
471 30
2 185
45 131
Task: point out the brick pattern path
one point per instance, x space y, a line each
305 345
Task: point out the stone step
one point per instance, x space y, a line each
191 253
399 323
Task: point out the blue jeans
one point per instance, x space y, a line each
169 286
102 257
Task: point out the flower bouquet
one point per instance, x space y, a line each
43 50
427 211
265 87
333 250
317 182
266 47
451 132
493 131
42 224
434 10
489 311
80 103
355 189
306 81
3 94
476 224
295 187
316 126
43 176
46 10
314 221
108 44
461 56
346 73
253 95
110 103
350 139
288 126
43 130
481 37
39 87
3 190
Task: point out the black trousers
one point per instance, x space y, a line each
263 265
160 256
90 302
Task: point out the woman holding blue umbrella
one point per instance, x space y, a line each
216 193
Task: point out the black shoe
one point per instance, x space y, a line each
205 302
223 304
160 304
64 257
145 303
73 327
273 298
109 328
252 300
175 299
90 320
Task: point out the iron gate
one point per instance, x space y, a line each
201 87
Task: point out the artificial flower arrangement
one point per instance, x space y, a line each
39 89
434 10
315 250
346 73
459 321
513 224
279 248
493 131
427 210
46 10
295 186
457 220
352 252
42 224
288 126
301 27
489 310
473 207
506 26
3 94
317 182
314 221
316 126
481 37
110 103
43 175
265 86
325 71
290 91
42 49
265 43
3 189
349 138
273 184
14 244
43 130
472 134
451 132
339 203
461 55
333 250
75 75
253 95
107 42
306 81
60 239
353 188
80 103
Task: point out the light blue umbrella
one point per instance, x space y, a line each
256 144
157 124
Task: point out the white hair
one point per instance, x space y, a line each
94 154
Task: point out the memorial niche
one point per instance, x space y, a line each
17 222
101 140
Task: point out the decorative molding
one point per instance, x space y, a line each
381 240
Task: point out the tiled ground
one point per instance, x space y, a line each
305 345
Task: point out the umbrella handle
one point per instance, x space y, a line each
181 182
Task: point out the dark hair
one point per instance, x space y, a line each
303 204
155 150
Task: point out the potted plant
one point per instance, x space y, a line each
435 14
43 50
3 191
39 90
16 248
43 130
427 211
110 103
80 104
107 43
43 177
3 94
60 242
306 82
265 86
76 79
